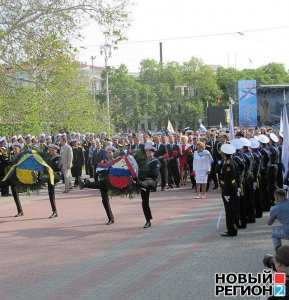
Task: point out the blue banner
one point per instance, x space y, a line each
247 103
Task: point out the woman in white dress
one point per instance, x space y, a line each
201 168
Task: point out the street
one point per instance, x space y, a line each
77 257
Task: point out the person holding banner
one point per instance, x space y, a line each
147 181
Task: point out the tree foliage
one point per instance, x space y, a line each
155 95
62 101
35 40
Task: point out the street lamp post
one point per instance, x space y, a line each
106 51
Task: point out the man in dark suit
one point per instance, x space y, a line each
173 163
162 155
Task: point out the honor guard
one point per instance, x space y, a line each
228 182
255 144
4 163
240 169
265 155
53 159
273 166
148 176
248 181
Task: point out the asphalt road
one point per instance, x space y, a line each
77 257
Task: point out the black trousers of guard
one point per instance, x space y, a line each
243 212
106 204
5 190
51 193
249 200
272 185
164 173
173 172
231 214
145 196
15 195
213 176
258 203
264 191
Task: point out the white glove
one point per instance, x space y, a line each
239 192
227 198
254 186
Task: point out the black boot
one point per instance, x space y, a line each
147 225
53 215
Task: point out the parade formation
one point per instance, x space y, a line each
248 169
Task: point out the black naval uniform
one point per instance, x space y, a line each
280 168
148 176
265 154
248 187
4 163
14 189
54 163
273 172
256 184
228 182
240 203
100 182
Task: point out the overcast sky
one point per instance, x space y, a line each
160 19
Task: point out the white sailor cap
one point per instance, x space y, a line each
254 143
237 143
245 142
228 149
274 137
262 138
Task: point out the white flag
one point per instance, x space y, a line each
285 146
281 123
221 125
231 129
170 127
203 128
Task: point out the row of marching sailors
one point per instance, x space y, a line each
250 172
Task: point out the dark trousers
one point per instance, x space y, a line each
106 204
243 212
5 190
213 176
173 172
15 195
164 173
77 180
86 163
272 184
249 201
264 191
231 214
51 193
145 196
258 203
